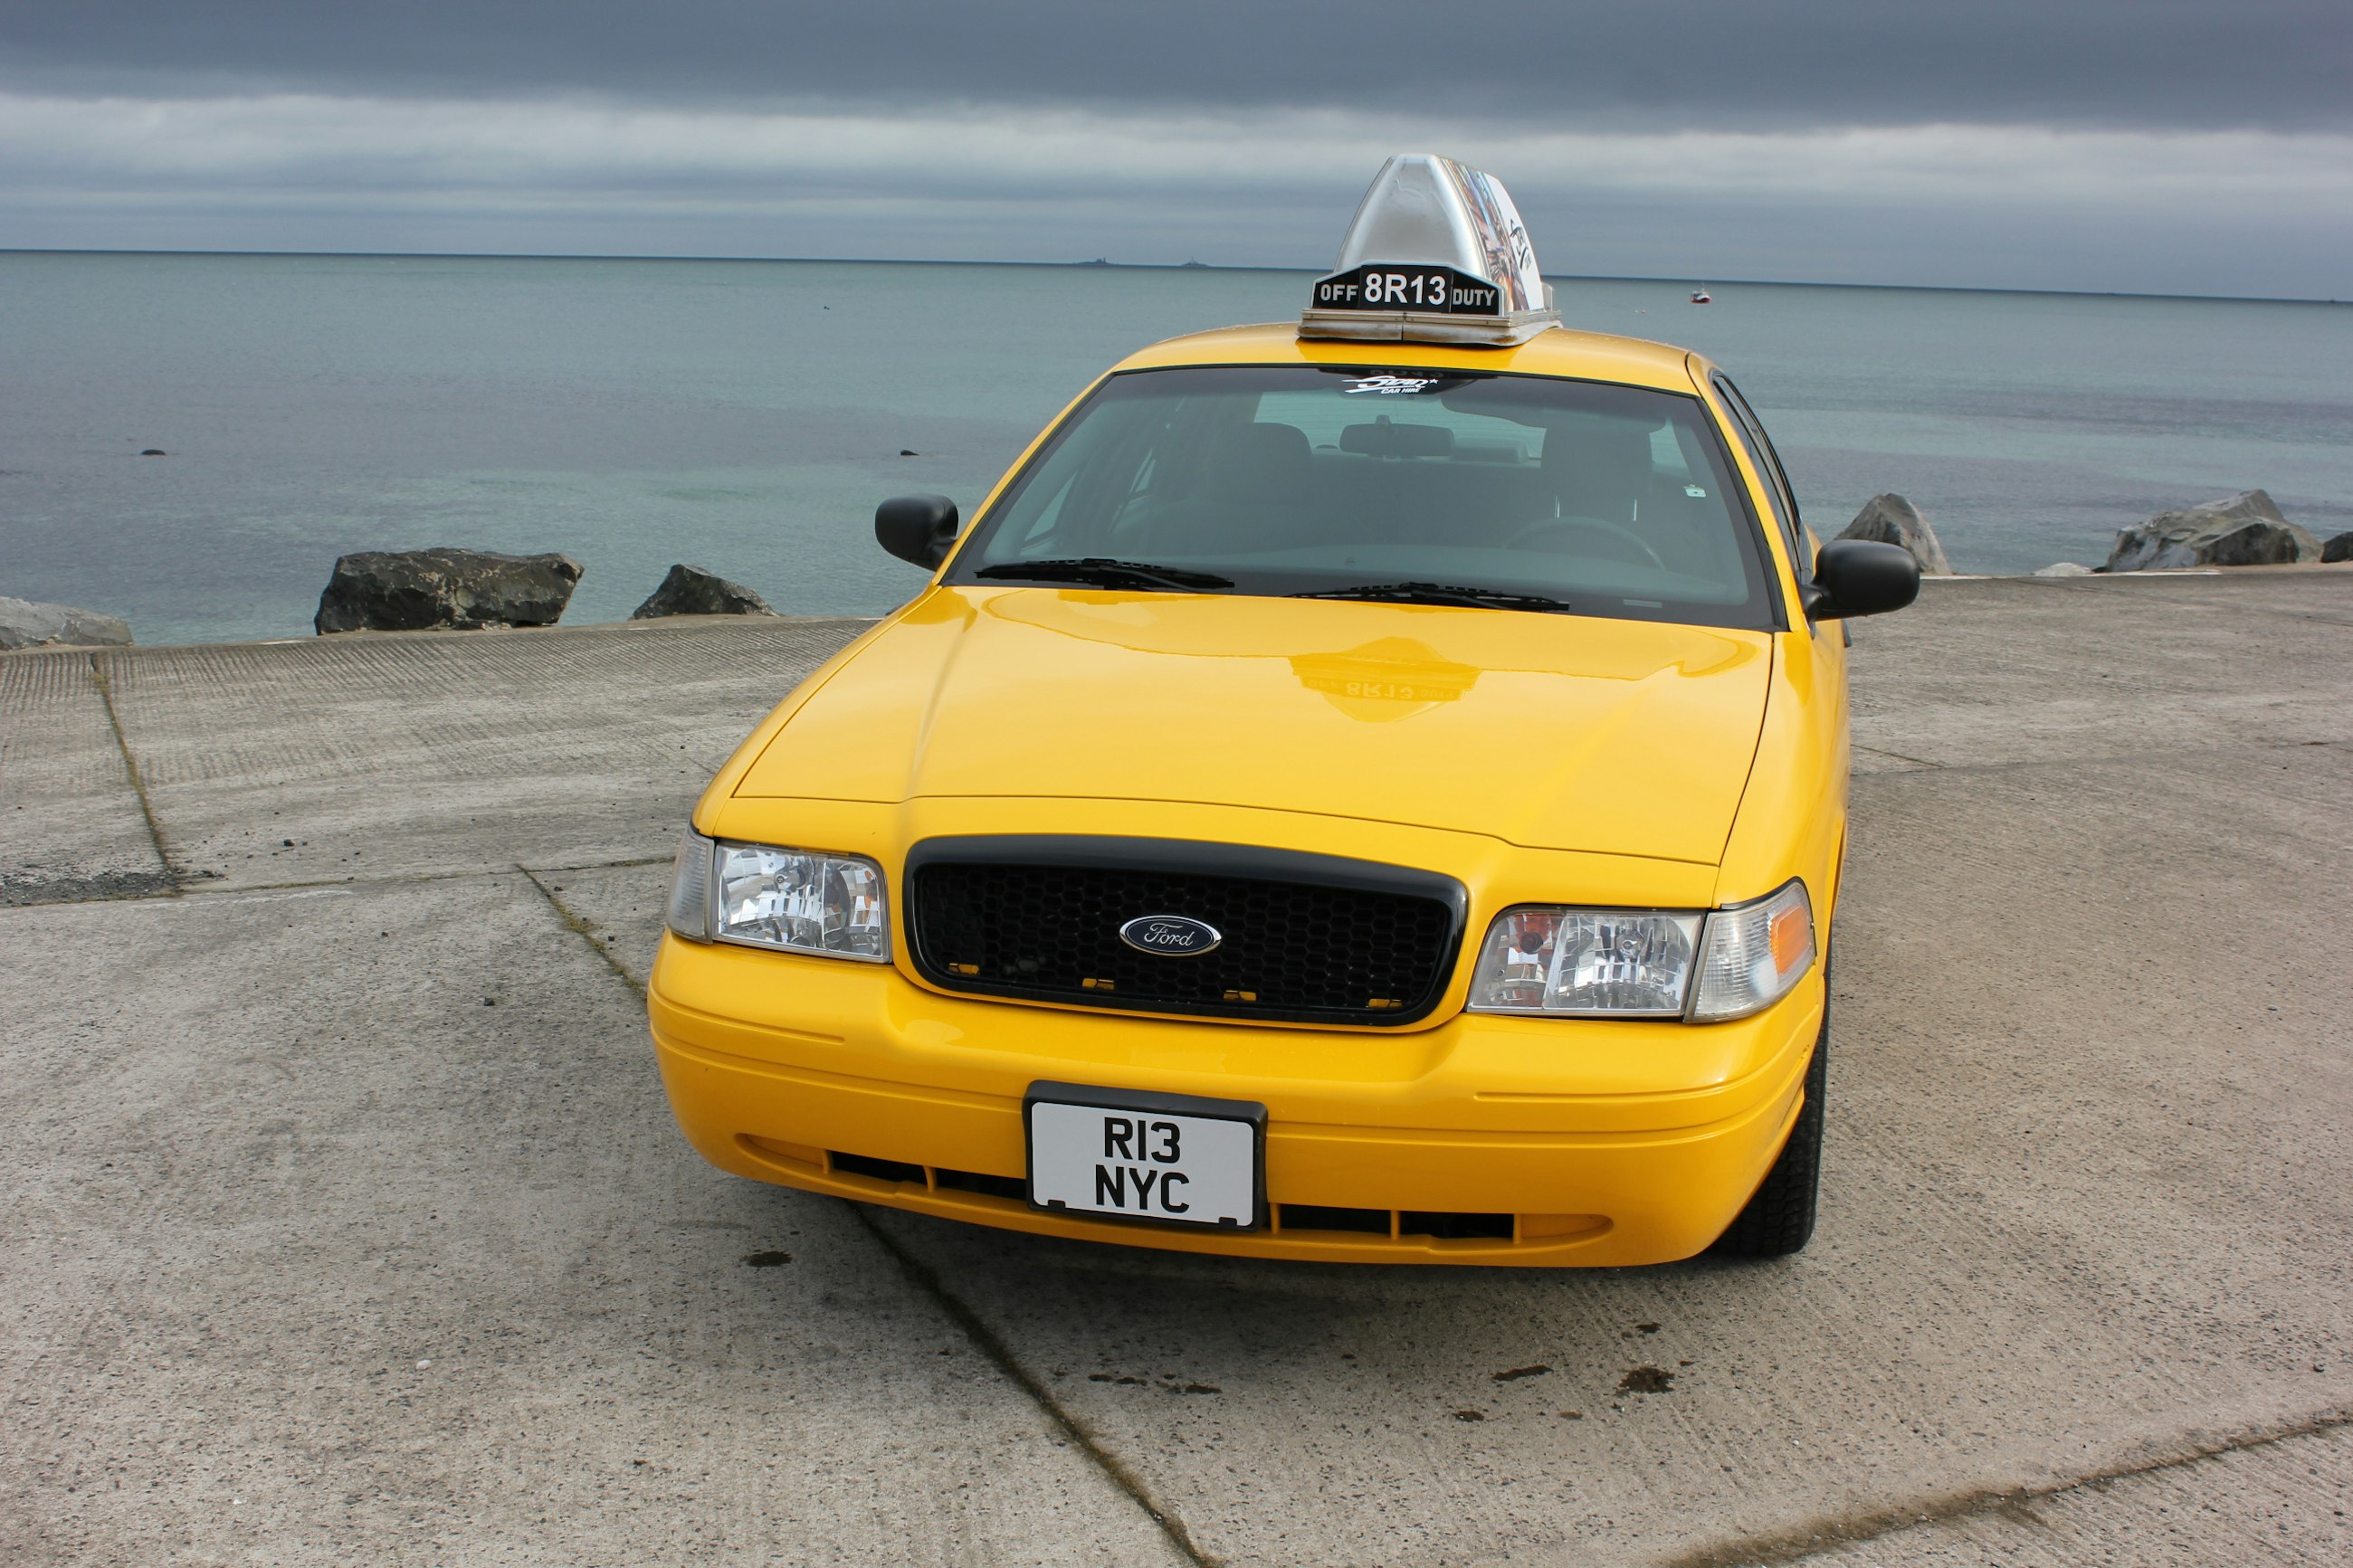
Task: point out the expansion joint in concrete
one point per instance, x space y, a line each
130 768
196 886
583 928
418 879
1803 1541
1884 751
923 1277
924 1280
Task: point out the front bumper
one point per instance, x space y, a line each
1591 1142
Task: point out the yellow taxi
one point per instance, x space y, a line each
1370 788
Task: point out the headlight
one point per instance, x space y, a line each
1624 963
1646 963
1755 952
795 901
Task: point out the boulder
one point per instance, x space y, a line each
29 623
691 591
2243 529
1892 519
2064 569
2338 549
414 590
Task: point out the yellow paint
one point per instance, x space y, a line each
1549 725
1537 759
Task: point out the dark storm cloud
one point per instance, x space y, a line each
2276 65
2155 145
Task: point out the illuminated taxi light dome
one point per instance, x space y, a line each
1436 254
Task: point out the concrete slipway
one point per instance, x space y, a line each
342 1220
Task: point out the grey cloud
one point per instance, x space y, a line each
2187 64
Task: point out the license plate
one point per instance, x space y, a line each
1172 1158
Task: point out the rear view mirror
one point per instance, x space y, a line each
1383 439
917 528
1861 577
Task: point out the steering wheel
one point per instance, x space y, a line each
1630 545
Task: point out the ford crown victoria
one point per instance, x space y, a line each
1367 788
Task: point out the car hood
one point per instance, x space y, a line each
1552 731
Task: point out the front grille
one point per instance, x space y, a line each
1438 1225
1306 938
1405 1228
880 1169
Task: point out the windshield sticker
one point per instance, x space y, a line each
1390 386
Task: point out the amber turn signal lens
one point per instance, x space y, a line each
1793 938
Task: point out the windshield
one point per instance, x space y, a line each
1411 485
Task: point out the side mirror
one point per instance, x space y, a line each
1861 577
917 528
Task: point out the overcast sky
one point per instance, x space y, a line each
2153 145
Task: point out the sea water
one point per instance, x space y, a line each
744 416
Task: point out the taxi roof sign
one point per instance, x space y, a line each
1435 254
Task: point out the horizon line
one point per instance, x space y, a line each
1108 265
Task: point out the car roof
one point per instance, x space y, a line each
1581 356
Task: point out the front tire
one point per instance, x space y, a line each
1780 1219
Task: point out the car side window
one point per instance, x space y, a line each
1768 463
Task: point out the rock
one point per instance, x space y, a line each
2064 569
909 452
412 590
1892 519
2243 529
154 452
29 623
691 591
2338 549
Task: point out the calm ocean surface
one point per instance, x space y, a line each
745 417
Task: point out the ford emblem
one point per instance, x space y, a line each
1171 936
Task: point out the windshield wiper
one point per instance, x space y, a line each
1439 594
1107 573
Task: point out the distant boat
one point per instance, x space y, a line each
1699 296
